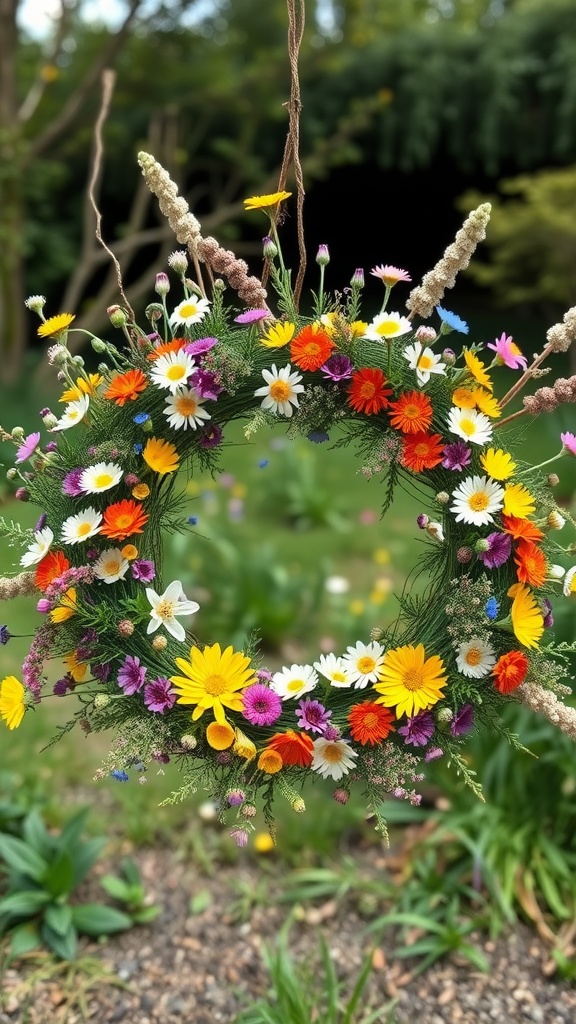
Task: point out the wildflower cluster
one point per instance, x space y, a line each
106 482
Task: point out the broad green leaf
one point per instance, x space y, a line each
59 878
73 828
59 917
35 834
145 915
85 856
96 919
200 902
19 856
130 871
24 904
64 946
115 887
23 939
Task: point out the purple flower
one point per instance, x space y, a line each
456 456
205 385
196 348
4 635
418 729
332 732
28 447
252 316
61 686
159 695
120 775
51 446
337 367
422 520
547 612
41 523
143 570
433 754
71 483
44 606
235 797
85 648
261 705
463 720
132 675
211 437
498 552
318 436
240 836
264 675
312 716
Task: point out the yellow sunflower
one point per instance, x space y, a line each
477 369
409 681
161 456
12 704
212 679
526 615
518 501
261 202
498 464
55 325
278 335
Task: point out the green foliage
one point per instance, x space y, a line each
127 889
295 495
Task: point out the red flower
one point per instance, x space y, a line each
370 722
510 670
411 413
368 392
50 568
521 529
531 563
293 747
422 451
311 348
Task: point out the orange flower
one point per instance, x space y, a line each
126 386
370 722
509 671
531 562
311 348
422 451
521 529
123 519
412 413
129 552
270 762
220 735
293 747
368 392
50 568
168 346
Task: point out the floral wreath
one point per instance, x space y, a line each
106 481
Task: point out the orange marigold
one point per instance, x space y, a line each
270 761
50 568
311 348
368 392
521 529
422 451
126 386
411 413
510 670
122 519
531 563
293 747
370 722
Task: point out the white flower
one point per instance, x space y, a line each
80 527
334 669
476 499
424 361
100 477
475 658
111 566
387 325
73 413
184 409
569 585
555 572
435 530
470 424
41 546
362 663
332 758
172 370
555 521
190 311
293 681
337 585
281 389
165 608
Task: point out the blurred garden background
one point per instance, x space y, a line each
413 113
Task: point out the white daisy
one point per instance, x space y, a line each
293 681
165 608
111 566
172 370
475 658
555 572
281 389
569 585
332 758
470 424
184 409
362 663
100 477
80 527
424 361
73 413
387 325
334 669
190 311
41 546
476 499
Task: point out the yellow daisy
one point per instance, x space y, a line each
66 609
55 325
161 456
278 334
261 202
498 464
518 501
477 369
12 704
486 402
463 398
409 681
526 615
77 669
212 679
83 386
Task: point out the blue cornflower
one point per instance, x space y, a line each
452 321
4 635
491 608
119 775
138 448
263 463
192 520
141 417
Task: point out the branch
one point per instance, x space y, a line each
38 87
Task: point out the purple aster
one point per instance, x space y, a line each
252 316
547 612
196 348
61 686
312 716
143 570
463 720
71 483
41 523
159 695
261 705
28 447
418 729
456 456
4 635
211 437
51 446
132 675
498 552
332 732
337 367
205 384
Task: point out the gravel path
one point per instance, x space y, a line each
204 967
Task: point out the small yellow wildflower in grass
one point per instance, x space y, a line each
498 464
12 704
261 202
477 369
526 615
278 335
263 842
55 325
356 607
161 456
381 556
409 681
518 501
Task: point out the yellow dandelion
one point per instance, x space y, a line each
261 202
278 334
463 398
12 705
213 679
477 369
498 464
409 681
526 615
161 456
486 403
55 325
518 501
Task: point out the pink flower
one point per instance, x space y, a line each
569 442
252 316
508 353
28 447
390 275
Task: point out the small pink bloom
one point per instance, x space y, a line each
28 447
390 275
508 353
569 442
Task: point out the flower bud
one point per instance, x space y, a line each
101 700
555 572
17 433
78 361
50 421
443 497
298 805
425 334
449 356
22 494
36 303
117 316
444 716
555 521
435 530
188 742
481 545
269 249
11 474
552 480
376 633
57 355
178 261
44 606
153 312
219 285
99 346
159 643
235 797
423 520
322 256
341 796
464 555
125 627
162 284
357 279
249 811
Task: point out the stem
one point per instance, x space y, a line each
388 288
547 462
513 416
525 377
277 244
321 290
